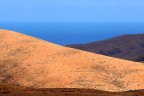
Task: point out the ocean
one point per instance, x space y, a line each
64 33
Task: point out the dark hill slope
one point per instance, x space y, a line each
129 47
11 90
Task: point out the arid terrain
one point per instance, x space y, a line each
31 62
129 47
11 90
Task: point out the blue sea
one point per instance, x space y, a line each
65 33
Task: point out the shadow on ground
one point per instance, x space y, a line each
11 90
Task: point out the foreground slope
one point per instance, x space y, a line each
11 90
130 47
28 61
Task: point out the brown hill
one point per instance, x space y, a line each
130 47
28 61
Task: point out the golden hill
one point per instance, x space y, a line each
28 61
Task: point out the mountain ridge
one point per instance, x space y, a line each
129 47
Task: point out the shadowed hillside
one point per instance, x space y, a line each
130 47
28 61
11 90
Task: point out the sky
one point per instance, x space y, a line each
71 10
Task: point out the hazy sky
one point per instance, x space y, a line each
72 10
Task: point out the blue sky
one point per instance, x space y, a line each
72 10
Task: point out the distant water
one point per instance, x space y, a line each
74 33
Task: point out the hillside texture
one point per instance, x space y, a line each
129 47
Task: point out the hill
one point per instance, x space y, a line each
130 47
28 61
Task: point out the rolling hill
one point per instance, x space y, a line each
129 47
28 61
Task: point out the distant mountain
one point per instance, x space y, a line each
28 61
130 47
